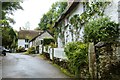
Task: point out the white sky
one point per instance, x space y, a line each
33 11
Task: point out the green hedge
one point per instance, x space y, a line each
20 49
77 57
30 50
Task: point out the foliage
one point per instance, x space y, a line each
48 19
31 50
9 37
91 10
53 45
77 56
9 8
101 29
20 49
48 41
75 22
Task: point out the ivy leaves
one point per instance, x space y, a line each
101 29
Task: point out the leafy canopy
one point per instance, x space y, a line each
48 19
9 36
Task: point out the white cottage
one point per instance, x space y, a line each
24 36
37 41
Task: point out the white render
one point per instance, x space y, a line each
60 45
110 11
38 40
68 37
30 44
22 43
45 35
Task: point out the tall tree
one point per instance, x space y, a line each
48 19
9 37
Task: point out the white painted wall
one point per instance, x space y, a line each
60 45
112 10
21 42
68 37
45 35
78 10
30 44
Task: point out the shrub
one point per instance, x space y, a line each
77 56
47 41
101 29
20 49
31 50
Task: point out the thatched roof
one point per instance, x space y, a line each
28 34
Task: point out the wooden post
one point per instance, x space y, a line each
91 58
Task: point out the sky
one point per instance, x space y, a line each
30 16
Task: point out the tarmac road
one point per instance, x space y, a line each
25 66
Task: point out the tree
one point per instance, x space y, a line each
48 19
9 36
9 8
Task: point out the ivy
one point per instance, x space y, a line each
95 8
101 29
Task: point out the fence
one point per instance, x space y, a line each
55 52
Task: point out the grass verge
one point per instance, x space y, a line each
59 67
64 71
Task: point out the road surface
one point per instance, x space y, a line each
25 66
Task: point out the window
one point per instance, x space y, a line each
26 46
26 40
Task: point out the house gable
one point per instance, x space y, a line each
37 40
45 35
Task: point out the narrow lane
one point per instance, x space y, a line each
24 66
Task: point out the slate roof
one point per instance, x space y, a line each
28 34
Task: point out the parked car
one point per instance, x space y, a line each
7 50
2 50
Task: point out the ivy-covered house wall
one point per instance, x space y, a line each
72 30
68 32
